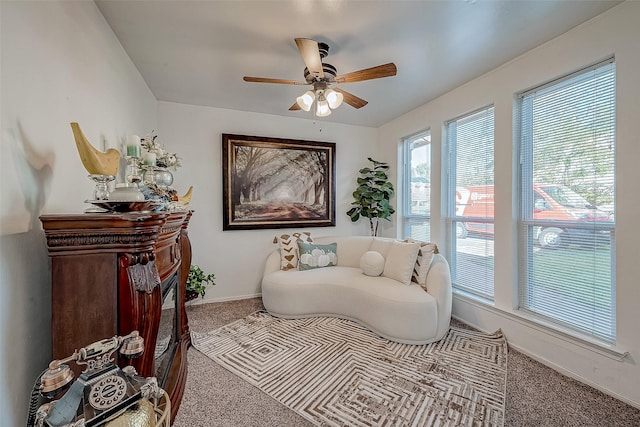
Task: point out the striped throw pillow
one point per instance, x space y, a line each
423 262
288 244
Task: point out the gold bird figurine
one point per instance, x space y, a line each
186 199
95 162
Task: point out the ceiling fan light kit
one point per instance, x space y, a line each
305 101
322 77
333 98
322 109
328 100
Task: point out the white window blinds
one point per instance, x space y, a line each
471 201
567 195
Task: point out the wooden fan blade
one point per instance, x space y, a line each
311 56
351 99
295 107
278 81
386 70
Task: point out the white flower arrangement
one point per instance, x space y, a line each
164 159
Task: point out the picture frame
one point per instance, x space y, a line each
277 183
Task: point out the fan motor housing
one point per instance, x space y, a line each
329 70
323 49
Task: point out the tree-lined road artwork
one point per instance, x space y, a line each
279 184
276 210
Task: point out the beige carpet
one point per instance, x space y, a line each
537 396
335 372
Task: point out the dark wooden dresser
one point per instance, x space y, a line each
114 273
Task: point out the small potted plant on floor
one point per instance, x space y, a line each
197 282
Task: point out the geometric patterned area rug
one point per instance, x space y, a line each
335 372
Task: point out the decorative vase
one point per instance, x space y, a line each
164 178
124 193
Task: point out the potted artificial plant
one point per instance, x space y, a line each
197 282
372 196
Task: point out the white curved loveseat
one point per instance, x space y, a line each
393 310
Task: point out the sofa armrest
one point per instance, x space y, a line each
273 262
439 286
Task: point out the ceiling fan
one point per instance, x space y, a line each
325 79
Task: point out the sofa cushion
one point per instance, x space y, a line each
400 260
345 278
372 263
288 244
316 256
423 261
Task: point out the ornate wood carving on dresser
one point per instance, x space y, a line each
114 273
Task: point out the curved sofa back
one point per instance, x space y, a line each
350 248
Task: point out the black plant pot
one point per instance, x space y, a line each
191 295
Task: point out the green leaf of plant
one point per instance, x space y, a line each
371 197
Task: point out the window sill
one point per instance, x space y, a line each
470 296
557 331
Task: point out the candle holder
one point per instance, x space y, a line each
134 176
101 192
149 174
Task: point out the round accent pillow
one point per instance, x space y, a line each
372 263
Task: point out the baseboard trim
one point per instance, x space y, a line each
200 301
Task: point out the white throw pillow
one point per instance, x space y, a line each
400 260
372 263
381 245
423 261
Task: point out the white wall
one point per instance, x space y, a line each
614 32
237 257
60 63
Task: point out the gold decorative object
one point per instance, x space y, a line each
153 411
142 414
95 162
186 199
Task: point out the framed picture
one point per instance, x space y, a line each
277 183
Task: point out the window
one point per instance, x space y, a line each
470 201
417 197
567 199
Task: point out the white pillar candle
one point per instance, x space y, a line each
133 146
149 158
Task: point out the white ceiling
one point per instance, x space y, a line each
196 52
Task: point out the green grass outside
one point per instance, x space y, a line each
581 274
